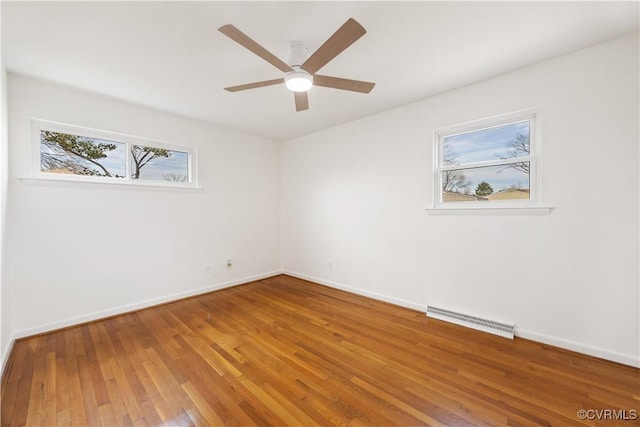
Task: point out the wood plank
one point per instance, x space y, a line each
208 413
36 395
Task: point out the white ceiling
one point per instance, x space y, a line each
170 56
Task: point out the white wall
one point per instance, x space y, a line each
5 300
5 295
80 251
355 196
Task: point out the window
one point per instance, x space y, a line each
79 154
487 163
159 164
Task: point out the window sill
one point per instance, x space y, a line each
112 185
497 211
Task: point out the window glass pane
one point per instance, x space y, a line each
159 164
501 142
63 153
506 182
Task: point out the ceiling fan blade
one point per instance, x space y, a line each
302 101
338 42
254 85
344 84
241 38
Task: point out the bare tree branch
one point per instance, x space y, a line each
519 146
173 177
453 181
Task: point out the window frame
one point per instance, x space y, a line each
533 117
39 125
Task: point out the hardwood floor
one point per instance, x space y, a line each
283 351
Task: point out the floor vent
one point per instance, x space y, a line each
484 325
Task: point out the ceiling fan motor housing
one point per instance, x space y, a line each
298 53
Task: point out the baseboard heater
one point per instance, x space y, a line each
484 325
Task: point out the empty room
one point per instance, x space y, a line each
320 213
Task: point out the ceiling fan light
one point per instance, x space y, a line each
298 81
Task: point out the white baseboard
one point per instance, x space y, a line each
614 356
72 321
5 356
626 359
359 291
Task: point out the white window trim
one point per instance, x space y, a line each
38 125
532 206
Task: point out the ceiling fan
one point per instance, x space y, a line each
301 75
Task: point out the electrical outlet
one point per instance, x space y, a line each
229 263
208 269
330 265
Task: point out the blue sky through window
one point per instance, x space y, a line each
115 160
483 145
167 168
